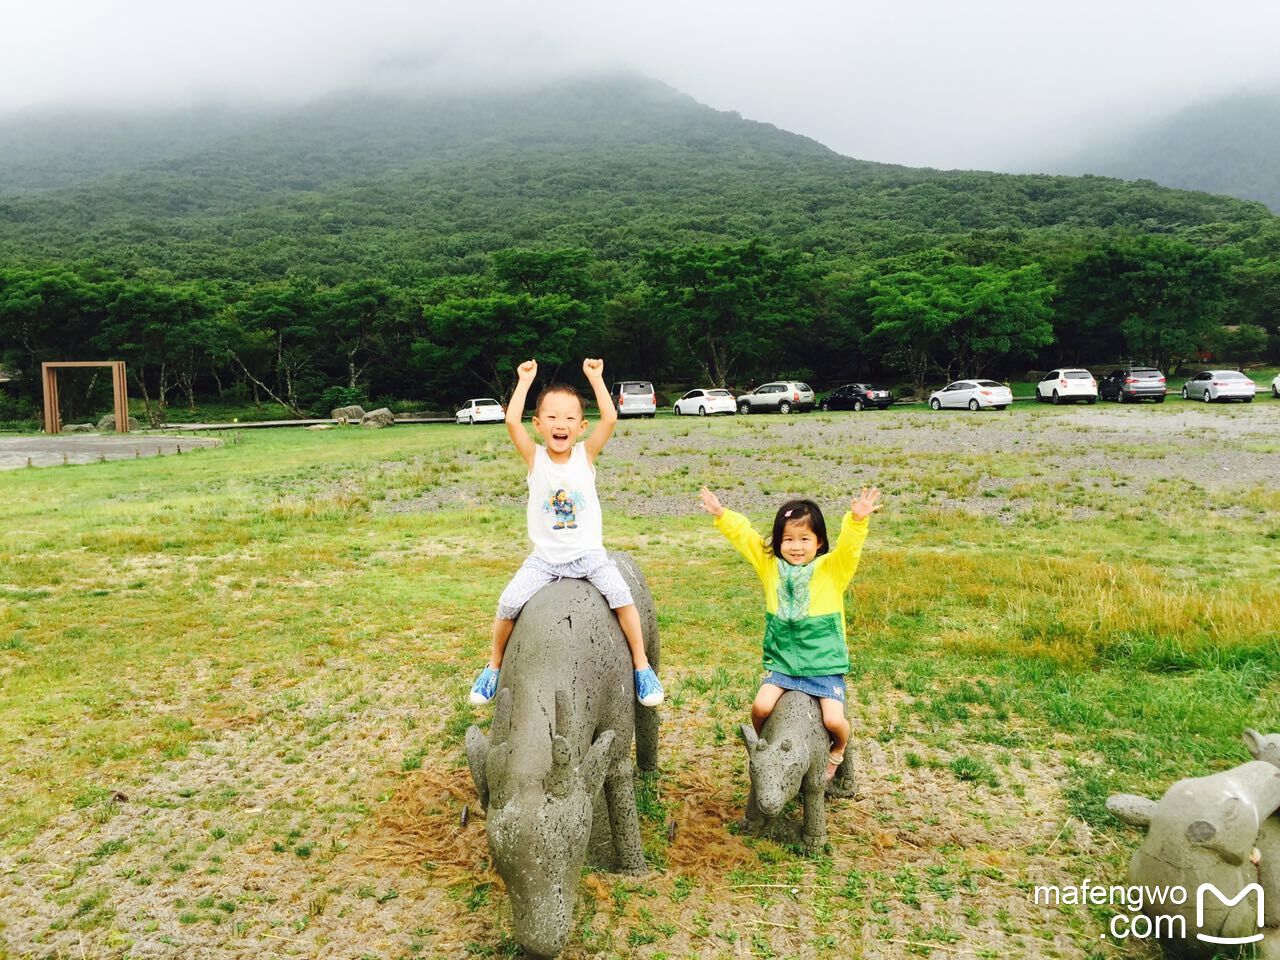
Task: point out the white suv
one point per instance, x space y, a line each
1065 383
781 395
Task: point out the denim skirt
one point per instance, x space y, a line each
825 688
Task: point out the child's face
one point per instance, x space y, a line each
559 421
799 543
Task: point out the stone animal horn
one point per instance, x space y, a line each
596 763
501 726
477 753
1132 809
748 734
560 778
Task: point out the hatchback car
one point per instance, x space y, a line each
484 410
857 396
1067 384
1210 385
704 401
973 394
635 398
1133 383
781 395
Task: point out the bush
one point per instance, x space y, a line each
17 412
333 397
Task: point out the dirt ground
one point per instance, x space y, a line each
301 831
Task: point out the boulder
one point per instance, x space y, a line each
77 428
108 424
351 414
382 417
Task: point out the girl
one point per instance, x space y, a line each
804 584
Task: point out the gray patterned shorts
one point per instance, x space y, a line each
536 573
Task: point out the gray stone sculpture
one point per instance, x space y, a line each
789 758
351 414
376 419
563 722
1223 830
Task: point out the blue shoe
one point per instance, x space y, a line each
485 687
648 689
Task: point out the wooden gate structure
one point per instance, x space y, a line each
49 374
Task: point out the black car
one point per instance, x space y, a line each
1133 383
856 396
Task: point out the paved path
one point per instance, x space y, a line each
41 451
250 425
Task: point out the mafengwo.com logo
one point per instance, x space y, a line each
1166 920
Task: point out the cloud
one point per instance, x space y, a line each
924 82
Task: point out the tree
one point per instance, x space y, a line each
483 339
727 306
362 319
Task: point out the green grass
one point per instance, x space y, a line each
147 607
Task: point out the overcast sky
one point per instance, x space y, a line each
945 83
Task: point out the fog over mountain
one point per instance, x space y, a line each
1227 145
988 84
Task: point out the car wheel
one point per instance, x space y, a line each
784 406
1248 399
1206 398
974 405
825 406
744 408
675 409
1091 400
1056 399
857 405
1275 392
935 403
702 411
1001 407
1184 394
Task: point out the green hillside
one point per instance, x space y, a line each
1229 146
406 187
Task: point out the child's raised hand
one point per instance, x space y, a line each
711 503
527 371
866 504
593 368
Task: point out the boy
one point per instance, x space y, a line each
564 518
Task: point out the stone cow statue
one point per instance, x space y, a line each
789 758
564 717
1222 829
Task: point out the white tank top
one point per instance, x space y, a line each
564 511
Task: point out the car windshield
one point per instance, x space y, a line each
1231 375
487 402
1145 374
719 393
637 388
1078 375
805 387
989 383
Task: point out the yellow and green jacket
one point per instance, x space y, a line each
804 618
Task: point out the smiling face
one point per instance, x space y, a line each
799 543
560 422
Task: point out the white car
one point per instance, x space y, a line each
484 410
705 401
1213 385
1066 383
973 394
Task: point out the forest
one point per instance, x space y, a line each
370 248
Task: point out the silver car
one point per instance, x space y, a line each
1211 385
635 398
780 395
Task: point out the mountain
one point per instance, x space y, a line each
406 186
1230 145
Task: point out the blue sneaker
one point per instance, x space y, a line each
648 689
485 687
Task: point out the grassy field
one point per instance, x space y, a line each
232 684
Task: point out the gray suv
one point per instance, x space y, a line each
1134 383
781 395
